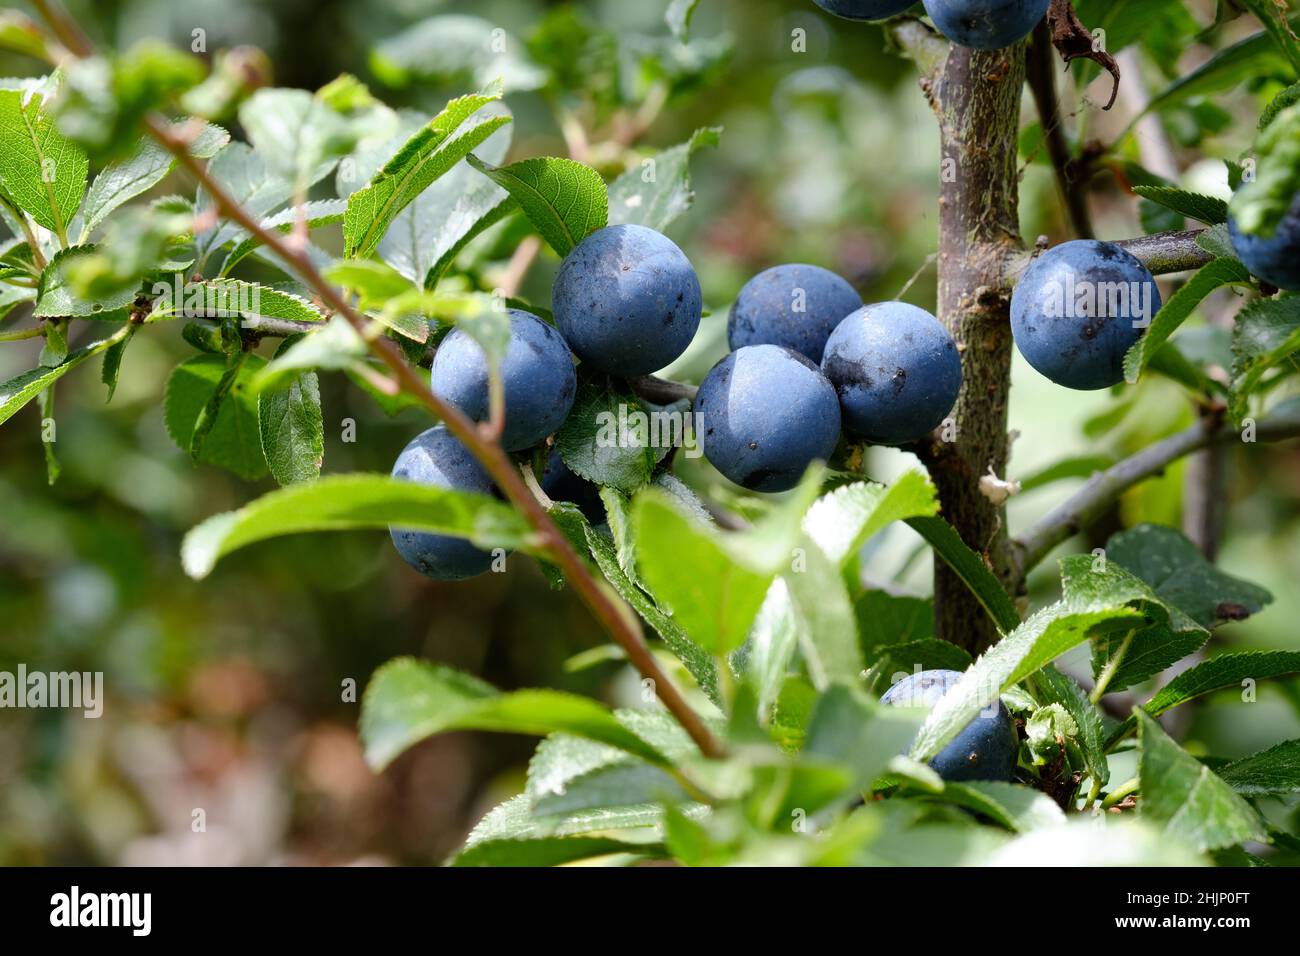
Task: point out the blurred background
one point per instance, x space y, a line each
237 695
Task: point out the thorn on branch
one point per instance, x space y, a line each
1074 41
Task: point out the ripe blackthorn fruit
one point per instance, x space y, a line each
896 370
797 306
767 413
1275 258
537 373
627 300
436 457
986 24
1079 308
984 750
864 9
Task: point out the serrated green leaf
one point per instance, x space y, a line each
408 701
595 444
1266 335
1185 798
292 429
1271 772
1177 571
970 567
823 616
232 439
431 151
41 170
885 619
849 728
126 178
56 297
226 298
1219 673
336 347
1207 209
1180 306
1259 206
113 360
658 189
1010 805
563 199
842 521
1092 605
247 179
22 388
694 658
348 502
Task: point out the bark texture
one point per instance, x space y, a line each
976 97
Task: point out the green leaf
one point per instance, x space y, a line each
541 851
678 18
1215 275
233 440
563 199
823 616
970 567
1259 206
347 502
1217 241
427 236
1208 209
146 167
1274 771
1273 16
22 388
607 439
1219 673
292 429
247 178
850 728
455 50
770 647
698 662
1228 68
299 134
1183 796
1056 688
1010 805
1266 336
41 170
842 521
511 835
56 297
431 151
1177 571
885 619
1133 654
408 701
113 360
316 213
226 298
713 592
1280 102
658 189
909 657
1088 608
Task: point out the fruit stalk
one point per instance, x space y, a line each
618 619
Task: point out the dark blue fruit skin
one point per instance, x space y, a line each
1076 351
436 457
985 750
767 413
561 484
1276 258
986 24
864 9
627 300
763 313
896 370
537 373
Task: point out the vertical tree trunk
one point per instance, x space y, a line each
976 96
